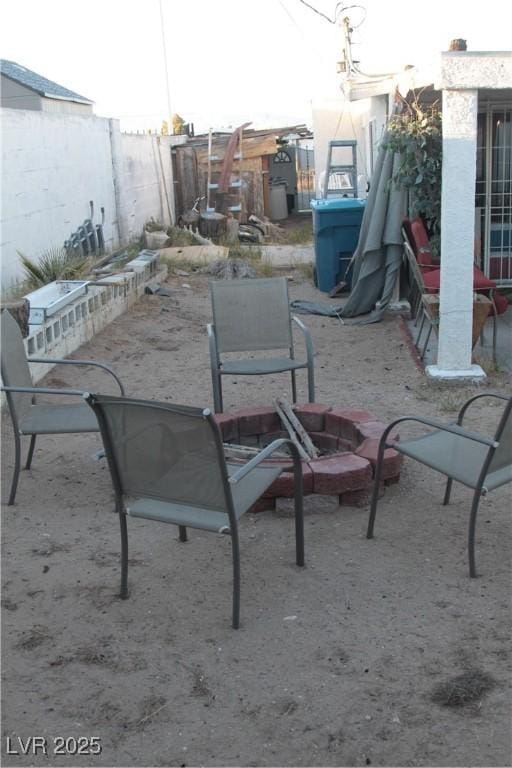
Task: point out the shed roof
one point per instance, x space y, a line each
38 83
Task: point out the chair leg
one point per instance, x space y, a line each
299 529
375 494
219 407
235 545
217 391
471 538
183 533
311 383
494 334
294 387
417 309
448 491
16 473
426 343
124 556
418 337
30 452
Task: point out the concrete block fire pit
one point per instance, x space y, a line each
347 439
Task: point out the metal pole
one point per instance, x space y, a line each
171 131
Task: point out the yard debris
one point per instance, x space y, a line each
195 255
298 434
236 451
156 240
230 269
232 228
340 287
198 237
155 235
271 231
157 288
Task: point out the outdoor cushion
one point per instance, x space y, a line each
432 280
501 303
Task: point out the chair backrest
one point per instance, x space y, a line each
14 366
502 456
251 315
417 237
161 451
407 233
413 264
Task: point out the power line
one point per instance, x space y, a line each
165 66
337 11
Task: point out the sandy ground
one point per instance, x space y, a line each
378 652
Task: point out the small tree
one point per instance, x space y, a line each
416 134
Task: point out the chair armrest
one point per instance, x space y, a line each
472 400
212 344
43 390
262 455
60 361
453 428
307 337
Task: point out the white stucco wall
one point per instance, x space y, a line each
144 182
54 164
341 119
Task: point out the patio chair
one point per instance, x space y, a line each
426 278
29 417
167 464
479 462
253 316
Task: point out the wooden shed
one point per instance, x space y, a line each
203 160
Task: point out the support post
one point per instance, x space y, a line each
457 238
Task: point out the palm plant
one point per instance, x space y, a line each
55 264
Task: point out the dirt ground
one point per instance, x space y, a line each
379 652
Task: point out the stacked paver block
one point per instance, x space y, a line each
350 438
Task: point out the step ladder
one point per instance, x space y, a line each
341 171
235 183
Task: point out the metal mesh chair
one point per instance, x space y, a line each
478 462
27 416
254 316
167 464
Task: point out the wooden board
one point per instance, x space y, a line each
195 254
482 307
251 148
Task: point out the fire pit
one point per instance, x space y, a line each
347 439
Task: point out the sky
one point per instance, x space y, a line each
230 61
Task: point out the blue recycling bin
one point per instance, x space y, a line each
336 226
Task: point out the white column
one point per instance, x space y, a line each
457 238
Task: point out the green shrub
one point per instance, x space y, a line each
416 134
54 264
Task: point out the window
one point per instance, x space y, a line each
282 156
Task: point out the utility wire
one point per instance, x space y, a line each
336 11
166 69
